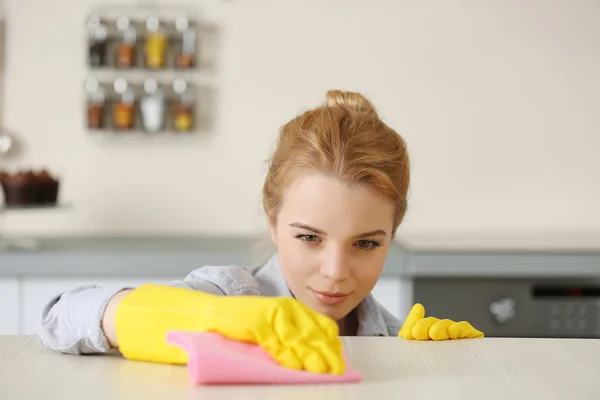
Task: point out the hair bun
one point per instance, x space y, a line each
351 100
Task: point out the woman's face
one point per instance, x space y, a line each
332 241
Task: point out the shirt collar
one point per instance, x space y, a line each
370 318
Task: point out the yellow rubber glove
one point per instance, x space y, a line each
293 334
419 327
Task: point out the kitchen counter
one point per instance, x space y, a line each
391 367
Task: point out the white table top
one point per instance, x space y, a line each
490 368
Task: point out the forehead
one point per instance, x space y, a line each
326 203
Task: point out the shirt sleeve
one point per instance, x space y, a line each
70 322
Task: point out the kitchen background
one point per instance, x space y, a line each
497 100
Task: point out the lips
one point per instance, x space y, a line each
330 298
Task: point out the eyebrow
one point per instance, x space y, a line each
377 232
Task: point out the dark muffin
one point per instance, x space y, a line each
20 189
48 188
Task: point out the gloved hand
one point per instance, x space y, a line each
418 327
293 334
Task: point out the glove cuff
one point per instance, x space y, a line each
148 313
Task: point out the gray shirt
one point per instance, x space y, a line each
71 321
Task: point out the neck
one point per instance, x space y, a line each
341 325
348 325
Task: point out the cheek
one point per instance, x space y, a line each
295 259
367 273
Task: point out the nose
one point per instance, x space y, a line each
335 264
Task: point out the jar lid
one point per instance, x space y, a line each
95 91
93 22
179 85
152 24
150 85
120 85
182 23
101 33
123 23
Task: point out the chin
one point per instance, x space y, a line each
332 312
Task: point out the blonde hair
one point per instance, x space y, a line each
344 138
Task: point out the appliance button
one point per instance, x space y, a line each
569 310
554 311
569 324
554 325
503 310
582 324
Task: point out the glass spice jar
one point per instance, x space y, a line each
186 56
183 106
125 50
152 106
123 108
95 104
156 44
97 41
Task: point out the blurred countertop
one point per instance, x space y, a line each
411 256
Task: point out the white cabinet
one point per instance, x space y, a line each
387 292
36 293
395 294
9 306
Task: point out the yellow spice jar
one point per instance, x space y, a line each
156 44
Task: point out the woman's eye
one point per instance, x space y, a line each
308 238
367 244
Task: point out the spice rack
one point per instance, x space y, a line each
143 64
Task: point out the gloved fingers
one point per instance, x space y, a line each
326 341
439 330
476 333
462 330
421 329
332 354
328 326
416 314
310 356
301 335
418 327
270 339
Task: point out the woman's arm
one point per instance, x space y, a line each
82 320
70 322
108 320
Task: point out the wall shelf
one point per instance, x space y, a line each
144 68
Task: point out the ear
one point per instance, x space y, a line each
273 230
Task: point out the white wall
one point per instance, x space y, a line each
498 101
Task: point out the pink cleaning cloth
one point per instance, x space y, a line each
215 359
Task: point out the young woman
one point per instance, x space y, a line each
335 193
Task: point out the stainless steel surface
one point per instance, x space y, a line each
524 307
505 264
